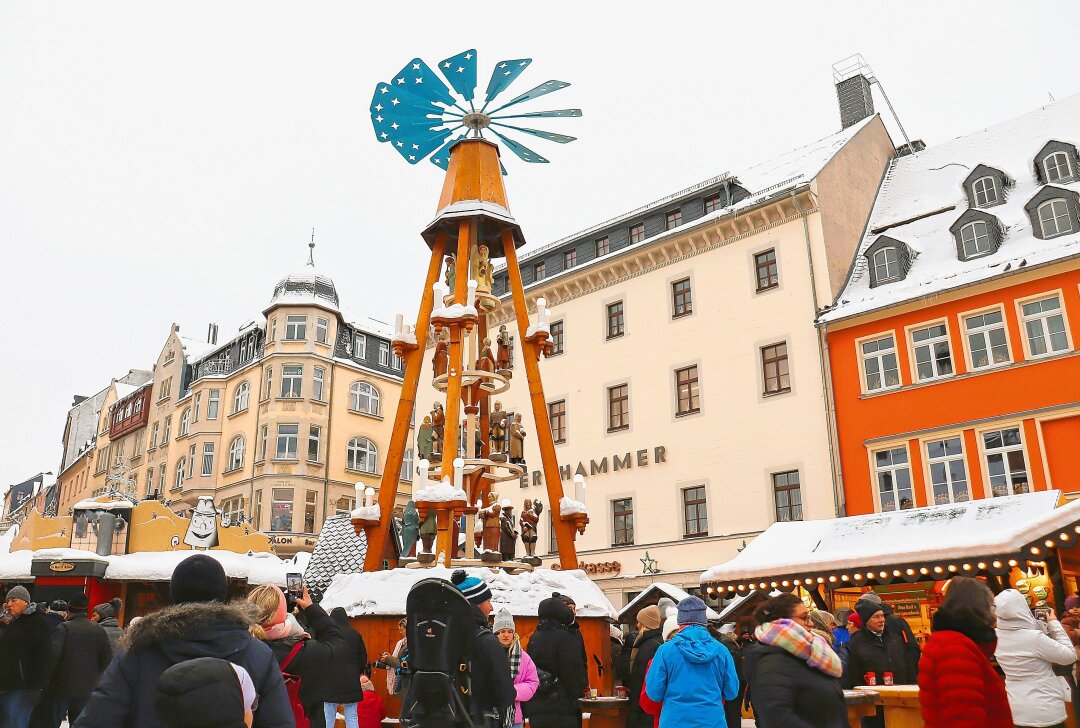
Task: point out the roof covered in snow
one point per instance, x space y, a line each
975 529
384 592
84 417
651 595
194 349
923 194
306 286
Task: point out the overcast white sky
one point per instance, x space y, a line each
165 162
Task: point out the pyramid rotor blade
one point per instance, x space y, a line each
549 135
522 151
504 74
543 89
556 114
460 71
418 78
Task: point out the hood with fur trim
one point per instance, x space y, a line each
195 629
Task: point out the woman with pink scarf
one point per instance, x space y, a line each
522 668
793 674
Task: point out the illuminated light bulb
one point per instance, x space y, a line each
1063 536
772 584
896 572
798 582
1035 550
784 583
883 574
924 571
938 569
832 579
869 575
1048 543
843 577
966 567
1012 563
952 568
910 572
820 580
982 565
858 577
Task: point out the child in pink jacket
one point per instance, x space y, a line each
522 668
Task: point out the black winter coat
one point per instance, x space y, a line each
899 626
647 643
114 631
54 620
489 672
787 693
25 652
869 653
80 653
557 650
342 684
316 662
125 696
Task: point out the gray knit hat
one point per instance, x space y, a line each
19 592
692 611
503 620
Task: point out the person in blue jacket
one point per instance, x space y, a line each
692 674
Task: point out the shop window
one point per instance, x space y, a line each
893 479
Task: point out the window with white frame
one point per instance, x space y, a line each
161 479
407 466
295 328
149 482
191 461
986 340
153 436
893 475
269 386
292 378
879 364
263 436
363 397
273 329
318 380
322 330
236 453
314 443
886 265
197 406
232 509
1057 167
166 429
359 346
1044 326
362 455
1005 462
933 355
975 239
213 404
181 471
240 397
948 471
396 362
185 421
1054 218
208 458
384 354
985 191
287 436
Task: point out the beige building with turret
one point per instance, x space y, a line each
278 424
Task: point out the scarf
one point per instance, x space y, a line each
798 641
277 626
514 652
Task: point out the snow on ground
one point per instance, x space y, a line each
384 592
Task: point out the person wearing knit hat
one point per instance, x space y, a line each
107 616
489 670
876 649
895 624
522 668
206 692
670 627
78 603
648 640
691 671
1072 602
198 624
82 652
24 657
554 649
474 589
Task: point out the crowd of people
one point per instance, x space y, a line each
277 661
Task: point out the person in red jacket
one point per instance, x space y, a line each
958 687
370 711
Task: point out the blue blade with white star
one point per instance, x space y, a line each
505 73
420 80
558 113
460 71
543 89
522 151
549 135
441 158
412 125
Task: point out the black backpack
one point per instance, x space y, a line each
440 632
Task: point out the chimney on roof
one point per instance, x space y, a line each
211 334
856 102
79 399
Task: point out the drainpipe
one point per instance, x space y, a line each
823 366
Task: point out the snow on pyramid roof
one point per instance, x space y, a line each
384 592
975 529
651 595
923 195
306 286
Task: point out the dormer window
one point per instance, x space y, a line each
1057 167
888 260
1053 211
977 233
1054 218
886 265
1056 162
975 239
985 191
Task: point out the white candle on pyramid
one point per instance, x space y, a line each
579 488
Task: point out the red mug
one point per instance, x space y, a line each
870 678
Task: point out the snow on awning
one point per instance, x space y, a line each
651 595
912 545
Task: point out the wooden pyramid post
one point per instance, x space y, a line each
473 217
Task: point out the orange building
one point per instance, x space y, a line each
952 348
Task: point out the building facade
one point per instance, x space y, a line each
278 424
953 345
686 381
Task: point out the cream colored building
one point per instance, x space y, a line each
688 386
277 424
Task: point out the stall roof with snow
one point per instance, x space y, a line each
923 196
651 595
910 545
384 592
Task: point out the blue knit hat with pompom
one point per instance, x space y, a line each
473 588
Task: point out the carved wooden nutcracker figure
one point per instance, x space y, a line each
503 358
530 517
508 539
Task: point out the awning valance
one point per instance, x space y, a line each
989 536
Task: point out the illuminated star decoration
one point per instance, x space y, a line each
648 565
421 114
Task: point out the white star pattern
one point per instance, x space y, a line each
379 119
401 80
394 126
461 69
468 56
503 64
416 147
395 102
446 64
378 107
416 66
384 90
420 79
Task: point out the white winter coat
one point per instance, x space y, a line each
1027 650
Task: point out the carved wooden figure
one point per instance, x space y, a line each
509 532
503 340
499 420
517 440
440 360
485 362
492 525
425 439
530 517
